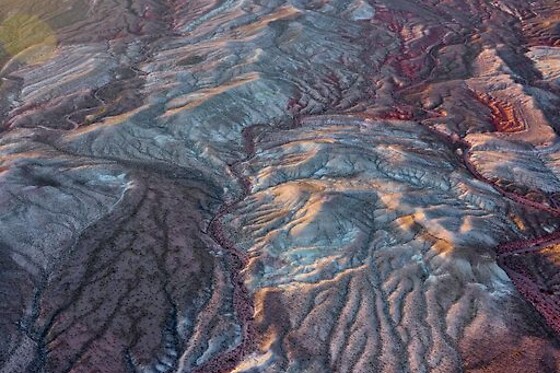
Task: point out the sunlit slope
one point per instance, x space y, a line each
279 186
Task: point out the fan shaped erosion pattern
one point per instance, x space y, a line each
253 186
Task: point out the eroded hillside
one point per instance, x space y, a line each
279 186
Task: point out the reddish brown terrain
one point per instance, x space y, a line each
292 186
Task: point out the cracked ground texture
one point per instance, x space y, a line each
294 186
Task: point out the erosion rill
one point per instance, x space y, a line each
214 186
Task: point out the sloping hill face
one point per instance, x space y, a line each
279 186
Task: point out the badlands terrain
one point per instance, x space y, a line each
311 186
